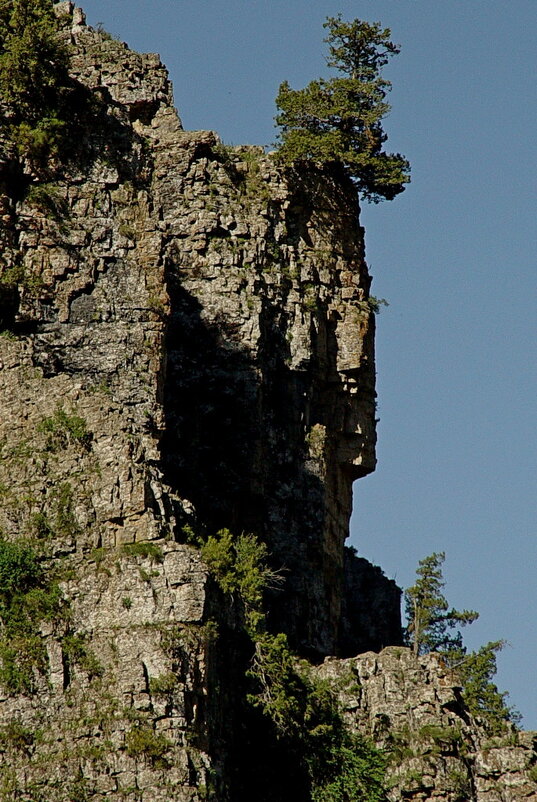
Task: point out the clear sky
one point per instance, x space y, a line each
455 256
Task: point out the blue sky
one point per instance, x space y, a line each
454 255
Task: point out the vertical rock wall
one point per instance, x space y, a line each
269 393
186 344
216 310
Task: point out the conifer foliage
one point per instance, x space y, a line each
30 54
303 711
431 622
338 121
34 80
432 626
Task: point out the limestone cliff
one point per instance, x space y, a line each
412 708
188 346
216 311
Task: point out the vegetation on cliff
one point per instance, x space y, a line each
188 681
431 622
303 710
339 120
34 78
432 627
27 597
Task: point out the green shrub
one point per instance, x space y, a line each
144 549
11 277
32 59
41 141
20 657
143 742
342 766
64 428
302 710
481 694
352 771
461 785
34 79
449 735
15 735
279 690
14 278
398 746
27 597
66 524
190 536
239 566
40 525
163 685
372 304
99 554
77 652
20 570
47 197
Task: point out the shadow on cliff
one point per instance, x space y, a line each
212 420
222 451
234 447
232 425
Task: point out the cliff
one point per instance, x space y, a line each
413 709
188 346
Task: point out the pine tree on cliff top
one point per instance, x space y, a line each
431 622
338 121
34 81
432 626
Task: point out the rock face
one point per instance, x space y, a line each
187 345
213 313
412 708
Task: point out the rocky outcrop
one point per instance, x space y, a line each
413 709
121 710
187 344
213 312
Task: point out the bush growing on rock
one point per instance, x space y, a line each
33 76
27 597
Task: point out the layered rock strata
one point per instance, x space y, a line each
187 345
413 709
211 311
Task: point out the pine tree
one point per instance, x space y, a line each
432 627
431 622
481 695
338 121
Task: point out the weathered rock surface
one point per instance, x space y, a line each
188 346
213 313
121 711
412 708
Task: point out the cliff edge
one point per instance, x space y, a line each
187 346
